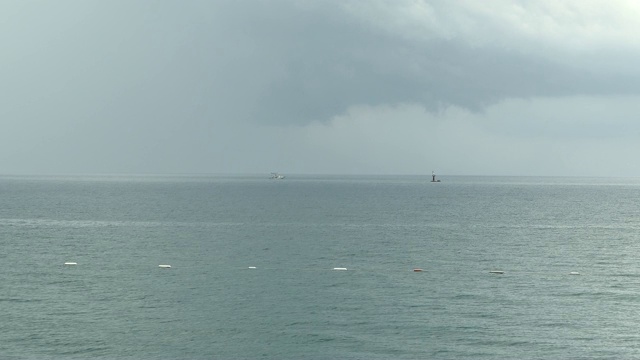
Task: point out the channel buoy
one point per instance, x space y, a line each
165 266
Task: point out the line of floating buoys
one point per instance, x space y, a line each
495 272
167 266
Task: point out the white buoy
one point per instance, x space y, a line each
499 272
165 266
252 267
574 273
70 263
342 269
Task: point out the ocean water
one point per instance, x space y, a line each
117 303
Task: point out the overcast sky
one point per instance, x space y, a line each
461 87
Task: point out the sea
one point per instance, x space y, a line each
319 267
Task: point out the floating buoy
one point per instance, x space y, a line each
252 267
417 270
574 273
71 263
343 269
499 272
165 266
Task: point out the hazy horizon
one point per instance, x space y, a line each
267 176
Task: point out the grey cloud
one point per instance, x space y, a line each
321 61
198 85
276 62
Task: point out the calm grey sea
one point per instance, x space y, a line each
117 303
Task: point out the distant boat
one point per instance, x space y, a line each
277 176
433 177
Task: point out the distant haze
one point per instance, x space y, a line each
321 87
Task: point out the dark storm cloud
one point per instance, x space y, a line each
293 64
270 62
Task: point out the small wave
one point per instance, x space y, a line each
587 294
19 300
627 275
465 297
556 325
93 351
34 223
